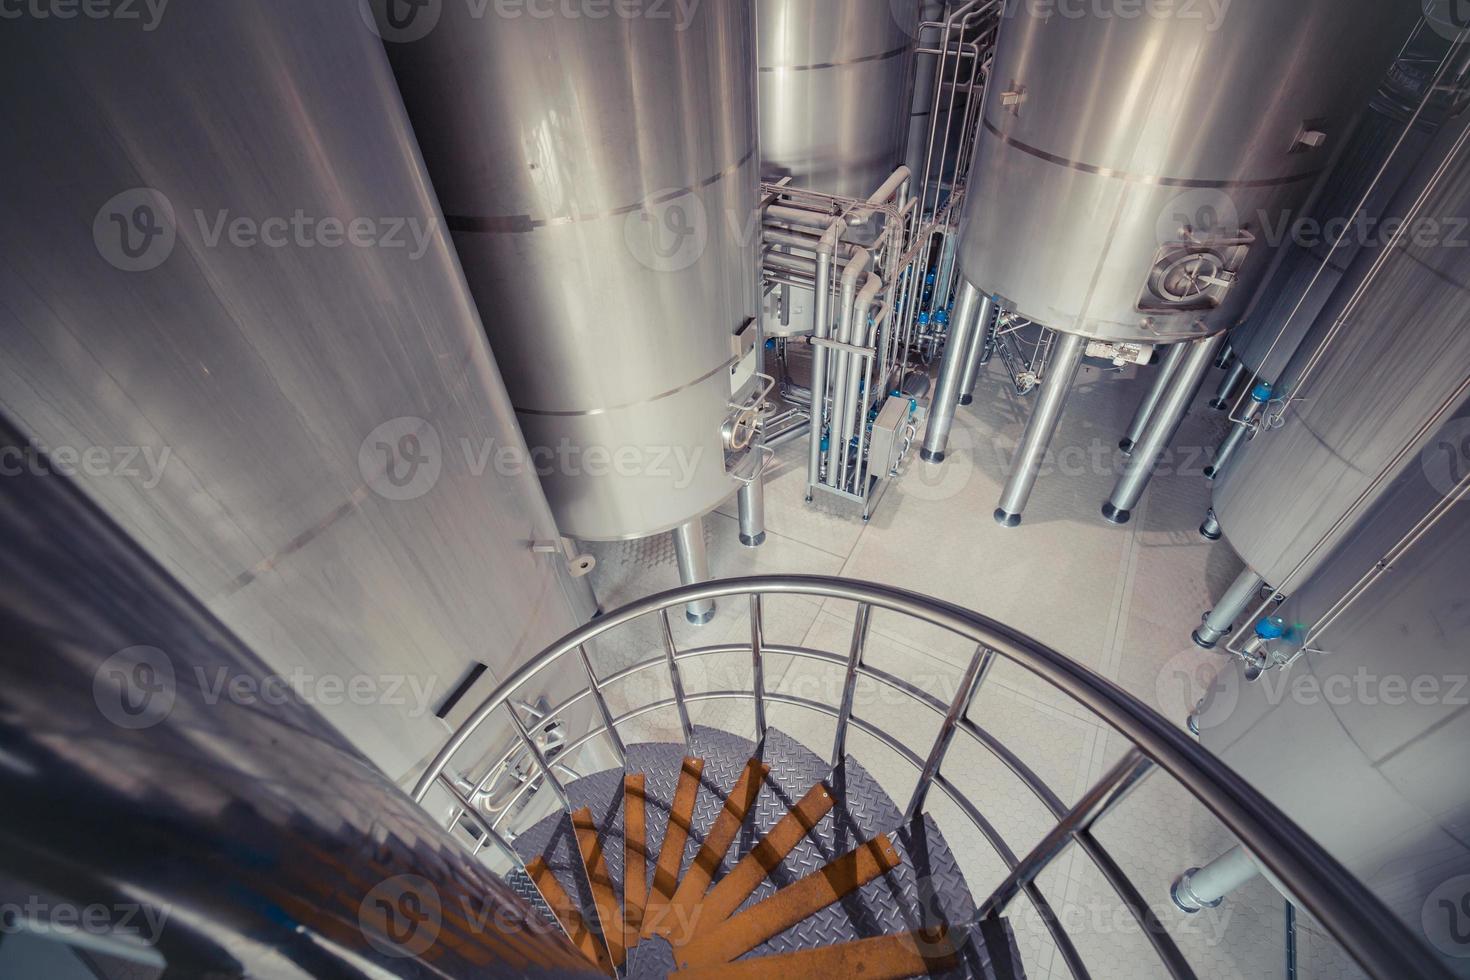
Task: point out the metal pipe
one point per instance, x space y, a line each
601 701
1206 888
799 264
1228 384
951 375
1065 363
1163 377
1220 621
757 661
1240 430
842 360
807 241
693 567
975 353
799 216
1210 529
822 330
1195 357
860 628
855 398
537 755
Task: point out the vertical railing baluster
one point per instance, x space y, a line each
975 675
489 830
672 652
1111 790
607 716
537 754
757 661
849 684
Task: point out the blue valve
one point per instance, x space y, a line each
1261 393
1272 628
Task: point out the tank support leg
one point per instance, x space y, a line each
1206 888
1066 361
1194 359
1218 622
694 567
1163 377
947 392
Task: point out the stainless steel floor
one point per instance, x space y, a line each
1120 600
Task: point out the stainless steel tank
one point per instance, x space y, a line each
1318 245
1124 169
835 91
1368 395
1361 741
232 311
600 176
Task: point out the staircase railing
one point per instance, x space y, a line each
1380 944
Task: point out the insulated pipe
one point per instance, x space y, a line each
1065 363
799 216
1220 621
1228 384
693 568
1206 888
946 399
1163 377
1194 360
975 353
854 400
799 239
842 361
822 330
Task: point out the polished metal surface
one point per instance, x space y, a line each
1348 209
971 310
1364 399
1383 948
1125 169
1362 740
289 400
600 176
1025 465
233 837
835 83
693 560
1219 622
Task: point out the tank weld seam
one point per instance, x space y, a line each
520 224
1144 178
865 59
634 404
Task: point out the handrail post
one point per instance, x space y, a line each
1111 790
975 675
607 716
538 755
849 685
757 655
671 651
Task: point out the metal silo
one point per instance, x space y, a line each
600 176
835 91
1124 170
232 313
1349 711
1386 368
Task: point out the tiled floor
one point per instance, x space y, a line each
1119 600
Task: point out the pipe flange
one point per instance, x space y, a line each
1184 897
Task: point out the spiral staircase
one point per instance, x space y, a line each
720 856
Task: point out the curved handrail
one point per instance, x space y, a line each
1379 943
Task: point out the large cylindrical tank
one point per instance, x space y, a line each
1125 169
1387 143
232 311
600 176
1361 741
835 91
1388 366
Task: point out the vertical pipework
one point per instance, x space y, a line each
1194 360
1219 621
967 315
843 362
1228 384
752 508
975 354
1163 377
1240 430
694 567
822 330
1066 361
